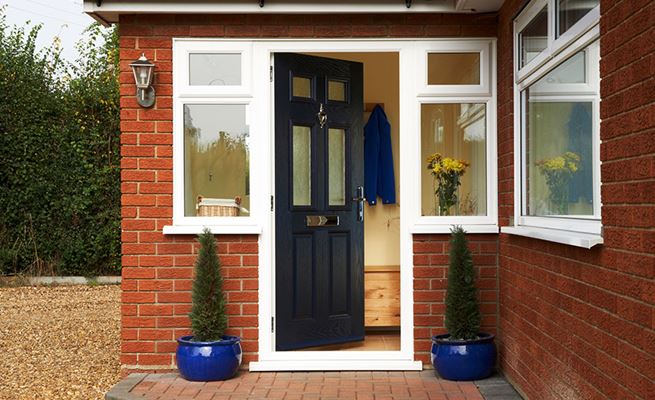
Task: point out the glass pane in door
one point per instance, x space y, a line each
302 165
337 166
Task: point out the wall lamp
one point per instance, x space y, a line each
143 74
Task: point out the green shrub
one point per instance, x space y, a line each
462 307
208 318
59 156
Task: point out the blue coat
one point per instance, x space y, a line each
379 178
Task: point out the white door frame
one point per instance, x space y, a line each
411 54
269 359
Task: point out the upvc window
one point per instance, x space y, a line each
456 121
212 140
557 138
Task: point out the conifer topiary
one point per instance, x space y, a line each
462 307
208 318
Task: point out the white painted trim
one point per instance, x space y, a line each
555 235
110 10
482 47
215 229
438 224
335 365
442 228
581 231
554 46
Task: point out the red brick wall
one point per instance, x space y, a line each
430 273
577 323
157 269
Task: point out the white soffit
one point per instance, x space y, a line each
108 11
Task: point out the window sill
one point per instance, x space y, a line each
215 229
445 228
578 239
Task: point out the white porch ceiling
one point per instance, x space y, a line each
108 11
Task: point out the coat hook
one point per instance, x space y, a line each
408 3
261 3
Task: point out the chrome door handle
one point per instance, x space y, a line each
360 199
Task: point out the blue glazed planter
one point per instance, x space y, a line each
464 360
208 361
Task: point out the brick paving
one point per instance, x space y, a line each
299 386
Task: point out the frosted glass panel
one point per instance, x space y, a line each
302 166
454 132
216 160
453 68
337 166
302 87
336 90
214 69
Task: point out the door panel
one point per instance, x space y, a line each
318 167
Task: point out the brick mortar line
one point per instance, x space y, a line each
544 367
584 322
589 363
551 255
585 283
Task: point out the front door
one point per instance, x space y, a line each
319 224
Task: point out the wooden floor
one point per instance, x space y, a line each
373 341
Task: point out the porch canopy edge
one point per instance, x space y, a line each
109 11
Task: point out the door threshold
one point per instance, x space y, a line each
335 365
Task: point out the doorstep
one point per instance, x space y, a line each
313 385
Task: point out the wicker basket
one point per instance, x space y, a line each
209 207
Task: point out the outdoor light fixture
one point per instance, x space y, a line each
145 93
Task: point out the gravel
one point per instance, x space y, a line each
59 342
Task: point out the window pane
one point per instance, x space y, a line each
570 71
216 159
337 166
302 166
458 134
301 87
571 11
453 68
559 158
336 90
533 38
214 69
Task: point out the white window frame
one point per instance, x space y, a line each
482 47
483 93
581 231
184 93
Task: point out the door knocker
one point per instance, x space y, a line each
322 116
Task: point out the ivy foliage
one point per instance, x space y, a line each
59 155
208 317
462 307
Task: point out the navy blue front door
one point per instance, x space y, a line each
319 228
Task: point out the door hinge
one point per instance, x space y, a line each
272 324
271 73
272 203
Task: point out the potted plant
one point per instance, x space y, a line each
208 355
464 353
